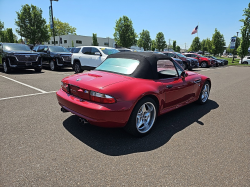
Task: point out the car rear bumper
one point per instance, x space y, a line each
104 115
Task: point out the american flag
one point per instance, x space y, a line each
195 30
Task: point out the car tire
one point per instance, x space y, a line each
77 67
6 67
245 62
204 94
52 65
185 65
190 68
142 117
204 64
38 70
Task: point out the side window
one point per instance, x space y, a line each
171 55
193 55
40 49
35 48
76 50
248 57
93 50
187 55
86 50
166 69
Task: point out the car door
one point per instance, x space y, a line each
96 58
85 57
40 50
176 89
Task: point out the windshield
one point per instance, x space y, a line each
180 55
119 65
109 51
57 49
16 47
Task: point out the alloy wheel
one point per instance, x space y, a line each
205 93
145 117
5 68
52 65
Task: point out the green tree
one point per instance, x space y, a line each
2 31
196 45
31 24
174 45
178 49
61 28
72 43
95 43
125 34
209 45
10 36
218 42
144 40
203 46
160 42
153 45
245 34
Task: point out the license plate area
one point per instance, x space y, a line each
78 92
28 63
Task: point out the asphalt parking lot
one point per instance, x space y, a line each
192 146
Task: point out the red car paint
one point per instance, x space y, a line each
210 62
127 91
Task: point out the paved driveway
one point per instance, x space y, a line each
191 146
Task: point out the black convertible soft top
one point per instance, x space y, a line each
147 69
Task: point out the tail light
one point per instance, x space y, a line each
90 95
101 98
65 87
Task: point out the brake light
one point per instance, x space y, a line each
101 98
65 87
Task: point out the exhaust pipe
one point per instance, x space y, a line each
64 110
82 120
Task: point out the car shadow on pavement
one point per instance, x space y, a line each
24 71
116 141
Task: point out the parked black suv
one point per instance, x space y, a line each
18 56
55 57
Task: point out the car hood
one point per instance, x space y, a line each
21 52
95 80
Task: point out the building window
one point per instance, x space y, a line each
52 42
79 41
106 43
48 42
65 41
56 42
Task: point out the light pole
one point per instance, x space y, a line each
53 20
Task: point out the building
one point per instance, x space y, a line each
78 40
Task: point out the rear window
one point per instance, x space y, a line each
119 65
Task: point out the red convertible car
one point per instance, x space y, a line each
130 90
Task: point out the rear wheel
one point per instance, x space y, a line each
142 118
39 69
52 65
6 67
204 93
204 65
184 65
77 67
245 62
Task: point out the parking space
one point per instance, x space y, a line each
192 146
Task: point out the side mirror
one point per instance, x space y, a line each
98 53
184 74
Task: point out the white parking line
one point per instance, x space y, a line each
26 95
24 84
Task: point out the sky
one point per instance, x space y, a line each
175 19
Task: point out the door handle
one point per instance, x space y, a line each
169 86
197 81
